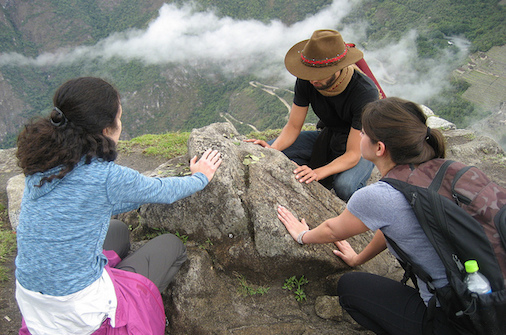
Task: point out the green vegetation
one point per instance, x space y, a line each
206 245
149 233
265 135
270 134
294 283
201 99
499 159
129 76
481 22
37 85
502 141
450 105
247 289
287 11
252 159
182 237
167 145
7 244
100 22
7 38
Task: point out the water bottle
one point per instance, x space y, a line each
475 281
485 316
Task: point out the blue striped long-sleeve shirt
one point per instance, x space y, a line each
63 224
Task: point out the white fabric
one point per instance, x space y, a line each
78 313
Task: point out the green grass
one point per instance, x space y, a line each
170 145
247 289
7 244
167 145
487 78
266 135
499 159
270 134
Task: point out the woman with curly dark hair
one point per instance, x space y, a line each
72 276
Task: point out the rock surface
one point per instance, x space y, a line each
240 255
238 246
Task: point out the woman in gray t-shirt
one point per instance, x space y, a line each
393 133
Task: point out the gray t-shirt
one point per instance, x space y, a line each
380 206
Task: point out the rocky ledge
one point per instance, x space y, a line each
241 258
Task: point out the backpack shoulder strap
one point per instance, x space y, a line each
500 223
440 176
410 269
362 66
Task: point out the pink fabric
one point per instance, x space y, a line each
140 308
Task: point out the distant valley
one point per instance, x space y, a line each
179 67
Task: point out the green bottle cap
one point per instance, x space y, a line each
471 266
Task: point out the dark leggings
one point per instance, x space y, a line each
386 306
159 259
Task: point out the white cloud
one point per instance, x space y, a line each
183 36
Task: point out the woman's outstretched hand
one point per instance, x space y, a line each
346 253
207 164
294 226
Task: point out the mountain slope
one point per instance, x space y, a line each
57 40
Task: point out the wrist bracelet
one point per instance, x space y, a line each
299 238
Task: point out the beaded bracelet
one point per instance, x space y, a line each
299 238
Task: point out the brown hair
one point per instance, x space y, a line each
83 108
400 125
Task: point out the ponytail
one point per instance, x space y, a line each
401 126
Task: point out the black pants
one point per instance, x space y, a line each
158 260
386 306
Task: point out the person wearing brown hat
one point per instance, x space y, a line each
337 91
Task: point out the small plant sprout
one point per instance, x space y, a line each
206 244
292 283
299 294
183 238
252 159
153 232
246 289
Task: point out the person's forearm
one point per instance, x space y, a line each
338 165
292 128
321 234
377 245
286 138
346 161
335 229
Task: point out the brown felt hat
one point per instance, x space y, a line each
322 55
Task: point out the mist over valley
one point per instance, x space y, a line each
182 66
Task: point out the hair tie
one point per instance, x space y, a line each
62 119
428 134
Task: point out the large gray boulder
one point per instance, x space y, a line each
236 241
237 210
240 254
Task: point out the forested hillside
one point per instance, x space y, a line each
205 57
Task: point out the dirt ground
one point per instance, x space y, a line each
10 317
